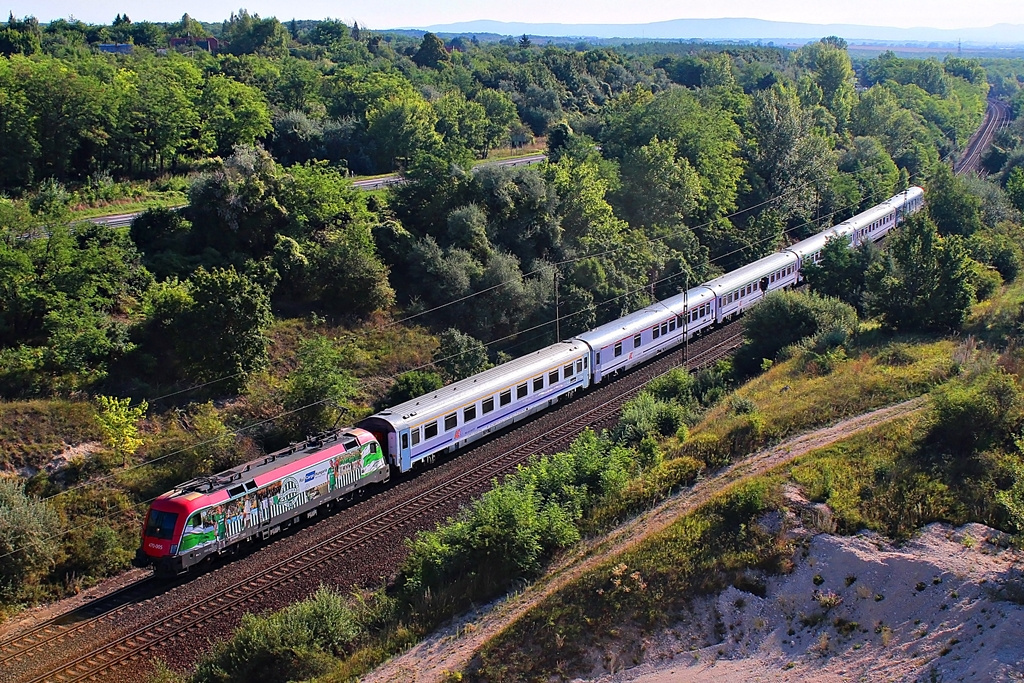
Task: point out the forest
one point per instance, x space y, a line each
278 299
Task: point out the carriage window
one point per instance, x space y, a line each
415 436
430 431
487 405
538 383
671 324
405 441
664 328
618 349
505 397
567 371
655 333
469 413
597 359
637 340
579 365
521 390
553 377
585 361
450 421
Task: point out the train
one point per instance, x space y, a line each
211 516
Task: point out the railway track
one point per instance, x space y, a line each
996 117
598 409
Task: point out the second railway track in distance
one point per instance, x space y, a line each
549 432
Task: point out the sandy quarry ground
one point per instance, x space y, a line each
929 610
932 609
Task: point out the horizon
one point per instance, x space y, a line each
412 14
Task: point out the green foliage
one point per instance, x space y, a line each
923 281
1012 499
513 528
409 385
461 355
784 318
842 271
223 332
951 206
27 529
119 421
976 415
319 387
431 53
297 643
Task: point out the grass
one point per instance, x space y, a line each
33 432
996 320
794 396
170 201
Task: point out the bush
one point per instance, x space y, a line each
787 317
28 527
298 643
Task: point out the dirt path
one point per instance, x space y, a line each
451 648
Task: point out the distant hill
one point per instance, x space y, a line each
744 30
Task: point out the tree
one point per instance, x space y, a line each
951 205
28 528
407 386
222 334
319 387
461 355
924 280
233 114
1015 188
657 187
842 271
119 422
501 117
431 53
524 42
791 162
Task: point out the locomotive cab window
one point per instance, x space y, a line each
505 397
521 390
450 421
469 413
487 405
161 524
430 431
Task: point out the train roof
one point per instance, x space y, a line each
271 467
817 242
751 272
453 396
635 322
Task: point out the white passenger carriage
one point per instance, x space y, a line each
740 289
460 413
621 344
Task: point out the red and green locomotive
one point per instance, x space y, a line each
212 515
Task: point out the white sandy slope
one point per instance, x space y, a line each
934 608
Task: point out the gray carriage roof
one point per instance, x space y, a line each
635 322
817 242
453 396
750 272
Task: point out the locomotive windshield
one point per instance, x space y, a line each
161 524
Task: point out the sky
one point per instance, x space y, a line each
419 13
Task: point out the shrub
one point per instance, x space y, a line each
787 317
27 529
298 643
